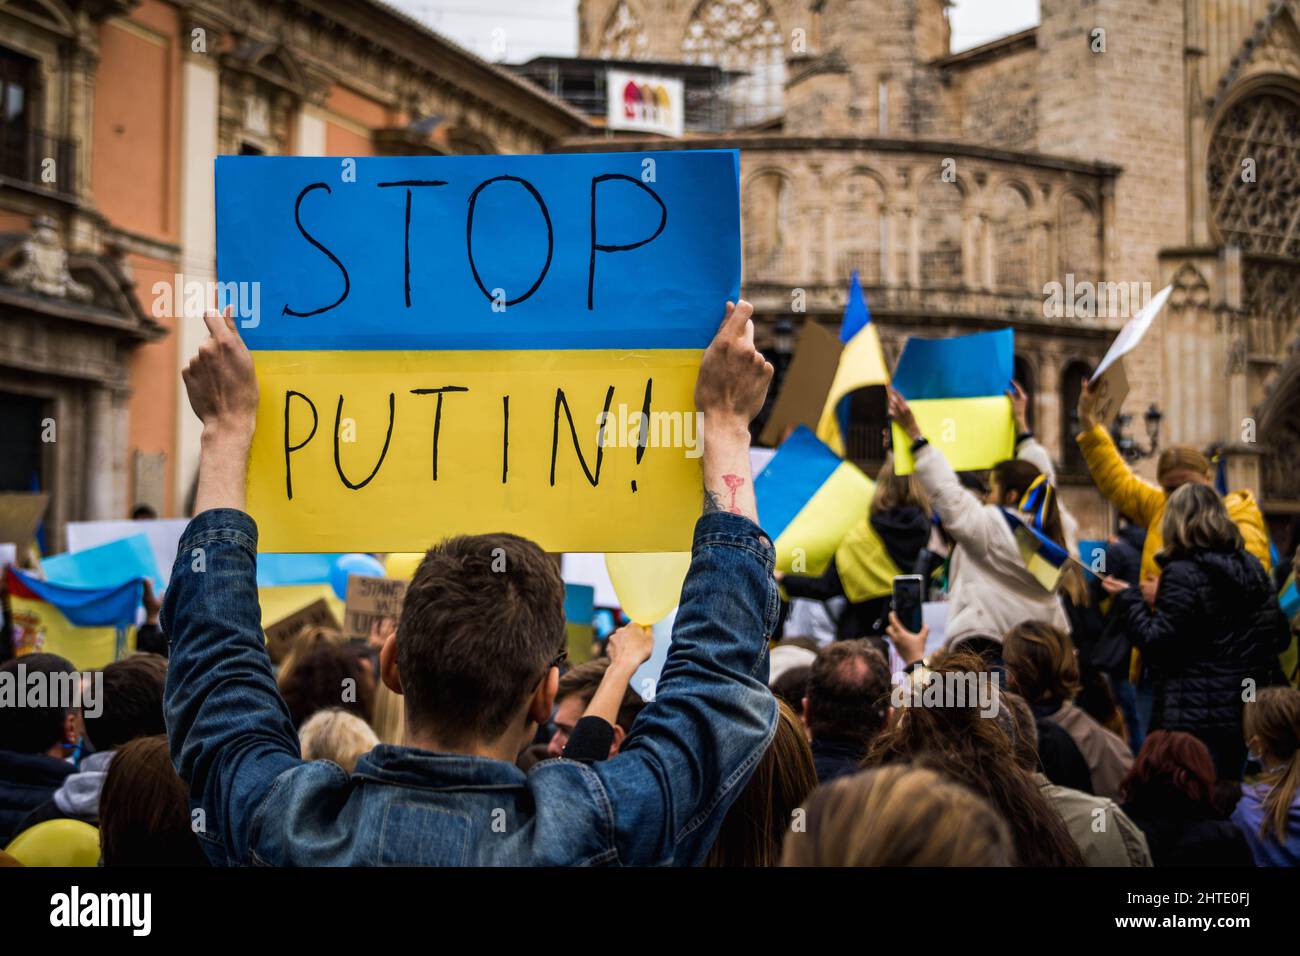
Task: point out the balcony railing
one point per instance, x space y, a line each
36 157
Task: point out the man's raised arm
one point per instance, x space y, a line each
695 745
229 730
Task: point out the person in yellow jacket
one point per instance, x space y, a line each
1144 503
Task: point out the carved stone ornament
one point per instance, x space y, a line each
41 265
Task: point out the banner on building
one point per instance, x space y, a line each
645 103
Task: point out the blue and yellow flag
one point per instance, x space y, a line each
87 626
862 364
808 500
1043 557
957 389
470 344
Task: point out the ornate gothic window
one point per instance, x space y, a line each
741 35
1253 175
624 37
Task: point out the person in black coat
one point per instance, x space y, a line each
1213 630
33 740
899 519
1169 794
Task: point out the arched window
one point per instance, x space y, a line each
1079 241
1010 224
624 36
744 36
860 239
1071 387
766 204
940 206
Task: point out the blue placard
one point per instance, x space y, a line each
967 366
580 251
104 566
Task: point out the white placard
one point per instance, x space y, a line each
1131 334
164 536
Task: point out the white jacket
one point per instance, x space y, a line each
990 589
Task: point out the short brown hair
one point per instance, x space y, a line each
144 813
848 692
133 702
583 680
1041 662
482 618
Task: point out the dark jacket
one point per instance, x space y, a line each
837 758
1180 832
1110 652
904 531
1216 622
26 782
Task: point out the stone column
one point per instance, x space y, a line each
99 472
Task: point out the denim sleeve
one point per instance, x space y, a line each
694 747
229 730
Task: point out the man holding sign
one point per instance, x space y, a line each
481 632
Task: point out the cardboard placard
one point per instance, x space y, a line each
280 635
1109 391
806 382
20 516
369 600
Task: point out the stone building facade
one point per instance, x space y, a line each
1115 143
111 112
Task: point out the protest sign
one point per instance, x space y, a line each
805 384
439 341
105 565
20 515
281 635
1109 382
371 599
957 389
164 536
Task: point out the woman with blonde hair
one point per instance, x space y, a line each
1213 628
1269 810
888 541
752 829
898 816
336 735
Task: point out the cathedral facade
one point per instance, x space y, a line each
1051 180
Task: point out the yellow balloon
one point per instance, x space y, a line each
648 585
56 843
403 564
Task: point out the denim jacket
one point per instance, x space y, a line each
660 801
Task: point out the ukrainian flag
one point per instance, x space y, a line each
1043 557
808 500
862 364
85 625
957 389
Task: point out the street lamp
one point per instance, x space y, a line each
1128 446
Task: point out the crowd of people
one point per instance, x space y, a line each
1131 714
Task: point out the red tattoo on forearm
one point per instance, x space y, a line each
733 482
